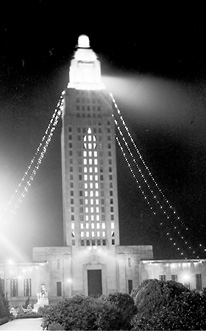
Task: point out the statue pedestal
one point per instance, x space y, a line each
41 303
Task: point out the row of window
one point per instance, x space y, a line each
88 108
84 153
14 287
84 130
89 200
81 203
95 242
86 99
95 128
198 279
92 225
14 291
88 115
70 145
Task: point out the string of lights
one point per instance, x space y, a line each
176 217
145 165
36 153
159 204
30 173
147 200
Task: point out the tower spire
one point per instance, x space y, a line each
85 71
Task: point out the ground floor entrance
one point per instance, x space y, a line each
94 283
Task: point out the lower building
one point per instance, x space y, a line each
191 272
93 272
65 272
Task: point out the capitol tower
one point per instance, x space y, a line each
92 261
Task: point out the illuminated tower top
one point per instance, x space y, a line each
85 71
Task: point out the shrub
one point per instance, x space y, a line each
152 295
72 313
42 310
55 327
4 304
124 304
83 313
27 303
4 320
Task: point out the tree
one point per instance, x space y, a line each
168 306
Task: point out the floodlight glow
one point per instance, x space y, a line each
185 277
10 262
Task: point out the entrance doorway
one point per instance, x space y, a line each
94 283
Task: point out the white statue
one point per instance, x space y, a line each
42 298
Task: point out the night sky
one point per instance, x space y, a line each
153 60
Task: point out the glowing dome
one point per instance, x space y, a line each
83 41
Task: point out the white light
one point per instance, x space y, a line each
185 277
83 41
10 262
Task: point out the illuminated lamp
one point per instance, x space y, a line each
10 262
185 277
83 41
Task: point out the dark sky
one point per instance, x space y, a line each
154 62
